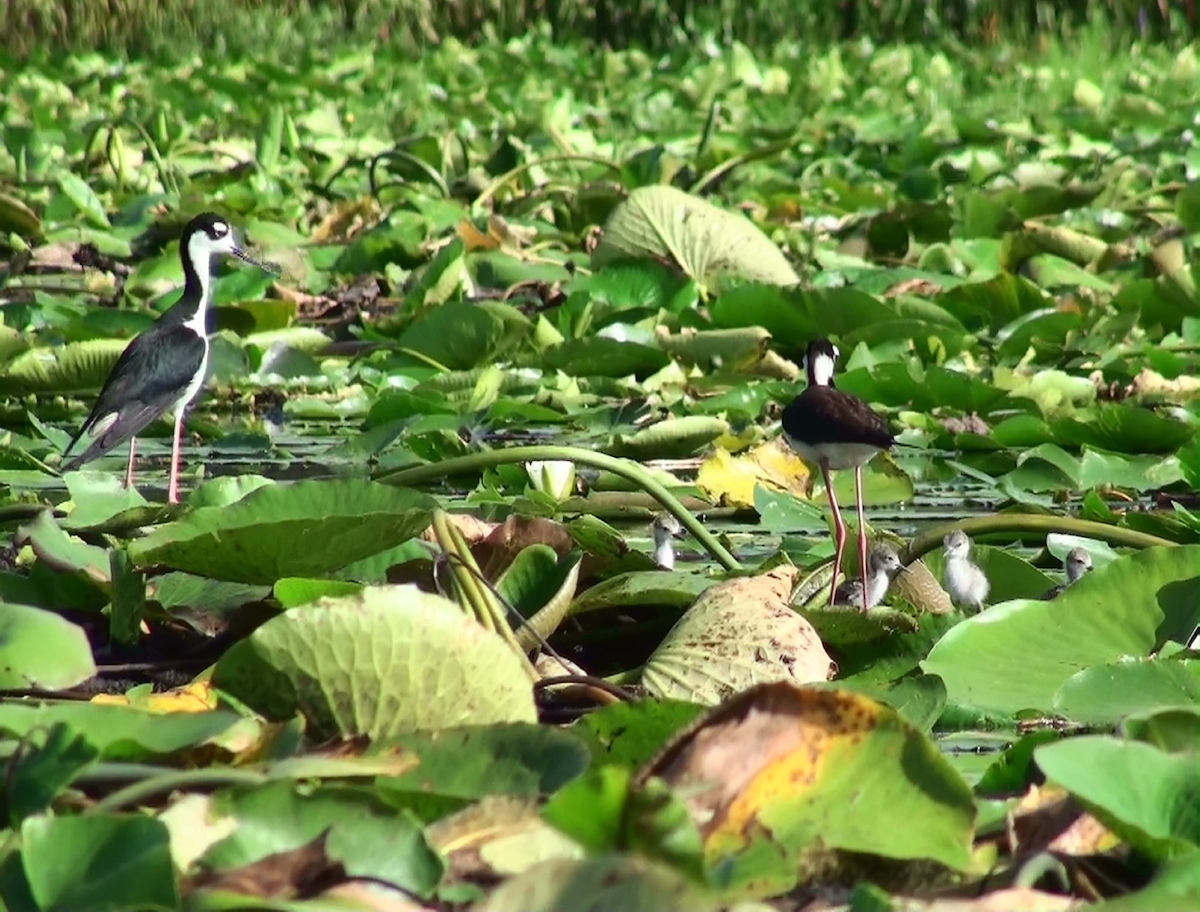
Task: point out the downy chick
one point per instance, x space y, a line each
1076 564
967 585
884 566
664 528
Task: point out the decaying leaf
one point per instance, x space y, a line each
738 633
780 764
198 696
731 479
1048 819
294 873
499 836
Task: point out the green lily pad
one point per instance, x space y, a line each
1104 694
98 861
370 838
119 732
388 660
705 242
1146 795
273 532
1125 429
1016 655
40 649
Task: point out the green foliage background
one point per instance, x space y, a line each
34 27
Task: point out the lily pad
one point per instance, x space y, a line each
739 633
1148 795
388 660
274 531
1016 655
40 649
705 242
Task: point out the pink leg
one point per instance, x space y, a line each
173 479
129 468
862 533
839 531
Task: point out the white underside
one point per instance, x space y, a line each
850 592
664 554
197 325
838 455
967 585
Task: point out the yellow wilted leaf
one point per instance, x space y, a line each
197 696
731 479
476 239
770 774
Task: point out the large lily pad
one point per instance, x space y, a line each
388 660
1016 655
276 531
42 649
768 775
739 633
1149 795
705 242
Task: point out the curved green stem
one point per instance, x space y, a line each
497 183
477 462
137 792
1023 522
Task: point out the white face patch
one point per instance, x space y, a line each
202 247
822 369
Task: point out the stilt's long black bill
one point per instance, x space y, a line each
272 268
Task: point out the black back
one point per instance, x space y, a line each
825 414
156 367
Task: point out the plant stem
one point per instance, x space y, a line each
477 462
1020 522
168 782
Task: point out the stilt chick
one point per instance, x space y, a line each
664 528
967 585
1077 563
884 566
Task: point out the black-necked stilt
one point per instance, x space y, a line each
664 528
967 584
835 430
883 566
163 368
1076 564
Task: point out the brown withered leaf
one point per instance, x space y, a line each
504 542
292 874
1048 819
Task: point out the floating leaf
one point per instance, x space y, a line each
70 368
83 197
671 438
624 882
769 774
663 223
1148 796
98 861
1104 694
40 649
369 838
739 633
283 530
1018 654
118 732
388 660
